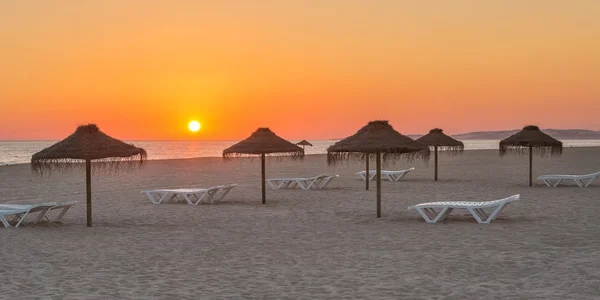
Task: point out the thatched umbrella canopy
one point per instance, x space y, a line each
263 142
533 139
380 138
437 139
304 143
86 145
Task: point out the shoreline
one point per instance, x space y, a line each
307 155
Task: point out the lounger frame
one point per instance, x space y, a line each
317 183
192 196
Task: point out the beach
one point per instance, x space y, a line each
308 244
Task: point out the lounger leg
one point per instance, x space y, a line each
212 195
590 181
425 215
307 185
204 196
223 194
551 183
41 215
21 218
495 213
4 221
477 215
162 197
482 216
61 215
325 183
151 197
431 216
188 200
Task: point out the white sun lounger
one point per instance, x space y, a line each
389 175
21 211
317 182
580 180
193 196
433 212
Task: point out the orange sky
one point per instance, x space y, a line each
306 69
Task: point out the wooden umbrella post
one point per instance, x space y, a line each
262 167
530 165
368 175
378 176
436 163
88 190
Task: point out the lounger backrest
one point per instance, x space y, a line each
510 199
593 174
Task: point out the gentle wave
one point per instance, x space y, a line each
17 152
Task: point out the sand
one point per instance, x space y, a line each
308 244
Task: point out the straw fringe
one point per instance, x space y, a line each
272 156
452 150
524 150
334 158
105 165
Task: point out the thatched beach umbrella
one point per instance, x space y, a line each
533 139
440 141
380 138
85 146
263 142
304 143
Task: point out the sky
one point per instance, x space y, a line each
308 69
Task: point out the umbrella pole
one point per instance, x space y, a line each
530 166
88 190
262 167
378 157
436 163
368 175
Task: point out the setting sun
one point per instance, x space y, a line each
194 126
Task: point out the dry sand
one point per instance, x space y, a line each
308 244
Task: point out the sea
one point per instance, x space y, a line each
19 152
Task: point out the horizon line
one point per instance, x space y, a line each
237 140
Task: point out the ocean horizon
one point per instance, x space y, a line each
19 152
